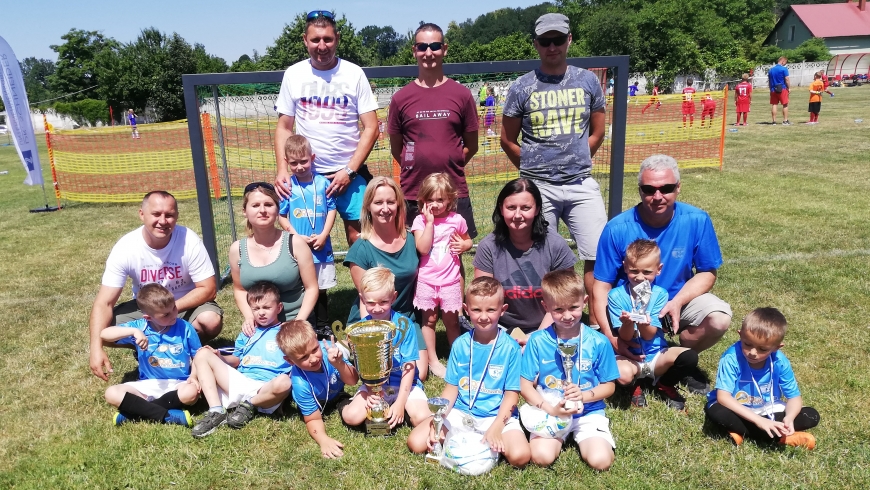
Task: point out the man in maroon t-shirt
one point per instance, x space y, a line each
433 125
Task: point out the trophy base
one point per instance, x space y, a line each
433 459
378 429
639 318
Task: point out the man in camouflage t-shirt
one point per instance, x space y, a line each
559 110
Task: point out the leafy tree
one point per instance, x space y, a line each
85 111
288 48
498 23
35 73
383 42
206 63
75 69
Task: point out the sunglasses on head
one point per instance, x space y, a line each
422 47
320 13
650 190
545 42
254 185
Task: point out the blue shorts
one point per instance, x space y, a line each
349 202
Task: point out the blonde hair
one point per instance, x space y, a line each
438 182
745 76
766 323
268 192
297 145
153 297
294 336
484 287
641 249
377 279
365 218
562 286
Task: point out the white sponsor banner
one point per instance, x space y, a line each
18 113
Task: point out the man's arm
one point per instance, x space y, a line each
510 134
596 132
101 317
204 292
787 83
283 130
367 139
396 144
701 283
470 146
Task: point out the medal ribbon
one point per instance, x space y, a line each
471 398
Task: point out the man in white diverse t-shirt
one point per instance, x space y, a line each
326 98
161 252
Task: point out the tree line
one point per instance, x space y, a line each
662 37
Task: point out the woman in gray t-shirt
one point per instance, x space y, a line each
518 253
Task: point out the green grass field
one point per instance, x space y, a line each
790 209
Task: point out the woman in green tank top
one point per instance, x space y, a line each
270 254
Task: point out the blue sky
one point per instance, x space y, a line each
228 29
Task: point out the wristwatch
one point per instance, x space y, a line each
350 173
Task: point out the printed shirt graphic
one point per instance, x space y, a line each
503 373
555 123
177 266
744 90
327 105
404 350
619 300
520 274
302 204
688 244
735 376
440 267
542 363
302 389
689 95
260 357
169 355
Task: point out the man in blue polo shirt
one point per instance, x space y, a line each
777 78
690 257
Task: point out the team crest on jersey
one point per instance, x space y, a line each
584 365
271 346
301 213
495 371
678 252
463 382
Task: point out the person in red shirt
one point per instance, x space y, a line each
654 99
689 103
825 83
708 108
743 98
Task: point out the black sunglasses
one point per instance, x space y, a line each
254 185
320 13
422 47
650 190
545 42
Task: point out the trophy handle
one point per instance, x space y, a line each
340 332
402 329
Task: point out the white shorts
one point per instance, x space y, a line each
390 393
155 388
590 425
241 389
325 275
454 421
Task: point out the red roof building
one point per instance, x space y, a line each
845 27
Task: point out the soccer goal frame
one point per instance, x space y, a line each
616 66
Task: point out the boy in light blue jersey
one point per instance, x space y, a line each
404 391
310 213
591 378
318 387
165 346
664 365
483 380
756 392
253 377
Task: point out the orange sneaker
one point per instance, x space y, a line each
799 439
737 438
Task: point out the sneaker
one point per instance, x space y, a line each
243 414
179 417
695 386
209 424
671 397
786 123
799 439
736 438
638 398
119 418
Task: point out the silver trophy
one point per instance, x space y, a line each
437 406
567 352
641 295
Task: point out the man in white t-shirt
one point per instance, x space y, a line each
161 252
326 98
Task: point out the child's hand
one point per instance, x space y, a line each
788 425
141 339
195 382
333 353
773 428
249 327
331 449
318 241
397 413
426 211
625 318
433 437
457 244
493 437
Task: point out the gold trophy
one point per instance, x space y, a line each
437 406
371 346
